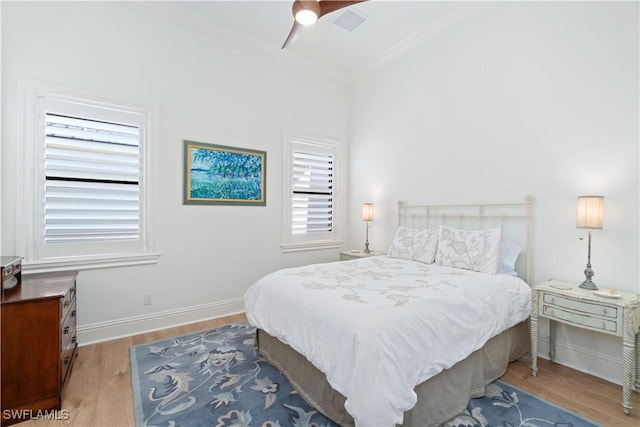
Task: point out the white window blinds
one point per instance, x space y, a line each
312 195
92 171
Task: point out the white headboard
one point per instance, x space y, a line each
515 220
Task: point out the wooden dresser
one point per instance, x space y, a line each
38 333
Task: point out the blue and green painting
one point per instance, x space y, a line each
226 175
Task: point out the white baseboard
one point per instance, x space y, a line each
585 360
119 328
579 358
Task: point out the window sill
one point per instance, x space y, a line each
311 246
88 263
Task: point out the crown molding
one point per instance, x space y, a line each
459 12
168 12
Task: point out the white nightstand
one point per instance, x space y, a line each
355 254
617 315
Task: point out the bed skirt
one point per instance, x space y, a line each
439 398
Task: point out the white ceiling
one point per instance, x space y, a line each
392 27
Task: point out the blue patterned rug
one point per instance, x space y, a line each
216 378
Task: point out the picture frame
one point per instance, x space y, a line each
222 175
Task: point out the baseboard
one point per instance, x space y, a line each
579 358
124 327
585 360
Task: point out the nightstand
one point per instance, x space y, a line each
355 254
617 314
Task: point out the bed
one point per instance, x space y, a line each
409 337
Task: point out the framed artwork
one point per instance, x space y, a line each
221 175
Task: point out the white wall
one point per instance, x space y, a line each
533 98
522 98
206 90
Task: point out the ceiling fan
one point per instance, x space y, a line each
306 12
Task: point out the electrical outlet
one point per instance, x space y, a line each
148 298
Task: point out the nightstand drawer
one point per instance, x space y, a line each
572 304
597 323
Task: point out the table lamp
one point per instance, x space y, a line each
367 216
590 209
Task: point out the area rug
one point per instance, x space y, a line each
217 378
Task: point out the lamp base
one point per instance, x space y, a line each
366 240
588 284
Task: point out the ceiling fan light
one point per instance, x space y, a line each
306 17
306 12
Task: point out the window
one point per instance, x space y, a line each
90 191
91 180
311 194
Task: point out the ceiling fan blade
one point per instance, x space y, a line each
328 6
296 30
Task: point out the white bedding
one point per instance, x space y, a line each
379 326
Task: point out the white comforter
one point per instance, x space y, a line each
379 326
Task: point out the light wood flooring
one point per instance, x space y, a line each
99 392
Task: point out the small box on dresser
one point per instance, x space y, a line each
38 348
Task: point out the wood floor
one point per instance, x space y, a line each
99 392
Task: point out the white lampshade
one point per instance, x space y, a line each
590 212
367 212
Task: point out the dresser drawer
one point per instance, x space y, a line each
68 339
68 327
601 317
66 362
68 300
588 308
596 323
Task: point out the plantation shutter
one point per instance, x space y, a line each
92 175
312 196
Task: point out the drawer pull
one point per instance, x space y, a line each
73 339
67 359
73 313
65 331
66 303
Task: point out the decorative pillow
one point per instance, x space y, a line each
509 254
471 250
416 245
